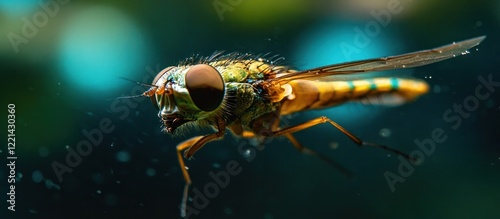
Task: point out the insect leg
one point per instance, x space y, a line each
205 139
188 145
309 151
191 146
324 119
180 147
305 150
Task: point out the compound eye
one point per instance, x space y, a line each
161 73
205 86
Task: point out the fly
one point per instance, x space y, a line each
247 95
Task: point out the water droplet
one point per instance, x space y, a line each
51 185
385 132
216 165
437 89
123 156
90 113
37 176
247 153
98 191
151 172
334 145
187 168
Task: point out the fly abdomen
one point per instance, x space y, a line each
321 94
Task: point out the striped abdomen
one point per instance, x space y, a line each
321 94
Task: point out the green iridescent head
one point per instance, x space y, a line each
187 93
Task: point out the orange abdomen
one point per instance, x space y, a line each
308 95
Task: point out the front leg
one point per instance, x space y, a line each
191 146
202 140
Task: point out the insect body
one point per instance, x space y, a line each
247 95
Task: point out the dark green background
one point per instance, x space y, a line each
459 180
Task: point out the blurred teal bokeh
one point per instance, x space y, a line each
97 46
16 8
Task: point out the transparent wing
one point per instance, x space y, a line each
408 60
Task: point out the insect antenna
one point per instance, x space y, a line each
139 83
126 97
134 96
